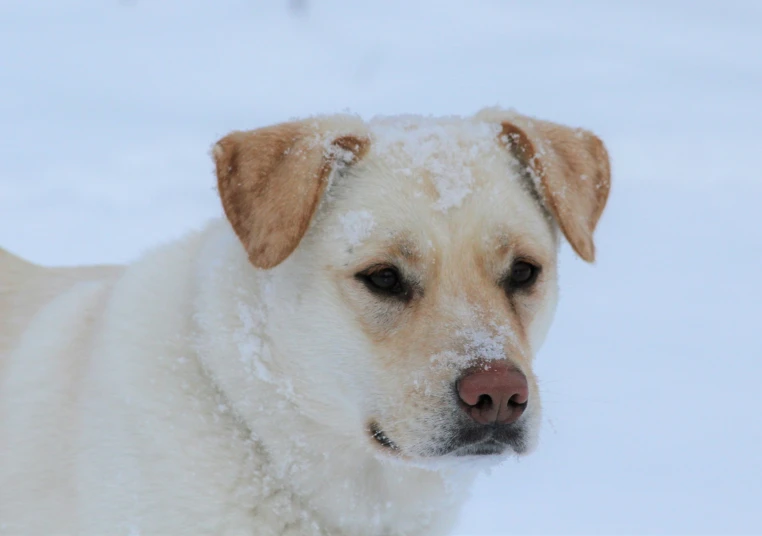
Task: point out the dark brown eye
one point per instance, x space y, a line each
384 281
523 275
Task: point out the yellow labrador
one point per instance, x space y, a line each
330 359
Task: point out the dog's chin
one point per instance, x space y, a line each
486 448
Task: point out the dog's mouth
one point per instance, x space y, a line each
468 441
488 440
381 438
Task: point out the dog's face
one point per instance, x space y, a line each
429 271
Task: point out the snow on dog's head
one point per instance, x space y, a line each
420 260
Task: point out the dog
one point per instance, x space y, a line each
340 355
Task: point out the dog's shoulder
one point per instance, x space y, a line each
25 288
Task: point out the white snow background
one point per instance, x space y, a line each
652 374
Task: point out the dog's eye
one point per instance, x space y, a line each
384 281
387 280
523 275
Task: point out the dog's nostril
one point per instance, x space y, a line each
517 401
484 402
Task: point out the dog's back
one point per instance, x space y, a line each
46 319
25 288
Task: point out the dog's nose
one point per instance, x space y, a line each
497 394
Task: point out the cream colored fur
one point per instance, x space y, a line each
192 393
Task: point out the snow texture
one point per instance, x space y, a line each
650 376
357 226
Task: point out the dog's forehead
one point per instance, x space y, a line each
445 180
445 159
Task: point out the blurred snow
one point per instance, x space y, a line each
652 375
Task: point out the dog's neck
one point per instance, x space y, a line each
330 477
369 496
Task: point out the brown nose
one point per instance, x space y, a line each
497 394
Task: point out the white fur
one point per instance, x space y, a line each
194 394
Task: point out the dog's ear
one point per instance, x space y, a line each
271 181
571 171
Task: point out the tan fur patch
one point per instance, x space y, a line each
428 325
271 181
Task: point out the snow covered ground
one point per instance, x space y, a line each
652 375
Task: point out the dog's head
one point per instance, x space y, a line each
417 267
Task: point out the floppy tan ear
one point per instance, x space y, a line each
571 171
271 181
